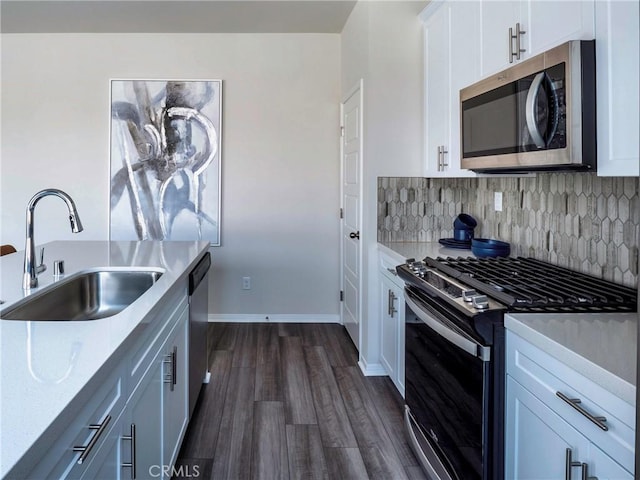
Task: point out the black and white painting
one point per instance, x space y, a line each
165 160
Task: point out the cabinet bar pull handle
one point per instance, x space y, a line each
174 373
519 33
393 308
171 377
574 402
441 162
391 298
569 464
515 37
86 450
511 37
585 472
393 271
131 465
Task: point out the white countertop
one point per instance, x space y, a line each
44 365
600 346
418 250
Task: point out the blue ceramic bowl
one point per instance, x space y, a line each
464 222
484 247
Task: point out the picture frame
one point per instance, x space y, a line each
165 160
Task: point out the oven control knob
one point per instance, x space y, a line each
418 267
481 302
467 295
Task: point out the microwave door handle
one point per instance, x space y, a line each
555 101
532 97
473 348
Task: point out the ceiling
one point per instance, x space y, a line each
174 16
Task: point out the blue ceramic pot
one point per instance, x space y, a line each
463 235
464 222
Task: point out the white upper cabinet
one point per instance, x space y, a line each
496 43
554 23
437 87
452 61
469 40
465 68
516 30
618 84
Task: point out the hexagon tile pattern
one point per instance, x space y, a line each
576 220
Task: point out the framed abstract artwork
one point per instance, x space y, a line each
165 160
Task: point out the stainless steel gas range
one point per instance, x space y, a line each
454 357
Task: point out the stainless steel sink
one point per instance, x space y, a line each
87 295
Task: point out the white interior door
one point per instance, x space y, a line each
351 175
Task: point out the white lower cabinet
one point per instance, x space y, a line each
604 468
175 391
107 461
546 438
69 452
133 448
543 445
392 322
132 425
145 424
146 440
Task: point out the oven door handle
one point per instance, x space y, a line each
471 347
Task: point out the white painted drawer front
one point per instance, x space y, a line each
59 460
388 267
544 376
148 346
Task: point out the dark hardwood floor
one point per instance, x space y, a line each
288 401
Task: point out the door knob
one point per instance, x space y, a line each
355 235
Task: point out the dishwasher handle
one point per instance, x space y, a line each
199 272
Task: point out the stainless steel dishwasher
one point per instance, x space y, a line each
198 321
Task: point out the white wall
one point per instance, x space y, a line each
280 160
382 43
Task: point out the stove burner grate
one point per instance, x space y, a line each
527 284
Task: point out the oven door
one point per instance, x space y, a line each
447 381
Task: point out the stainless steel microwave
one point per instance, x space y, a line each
538 115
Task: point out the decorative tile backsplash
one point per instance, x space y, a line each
577 220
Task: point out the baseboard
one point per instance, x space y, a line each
371 370
277 318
